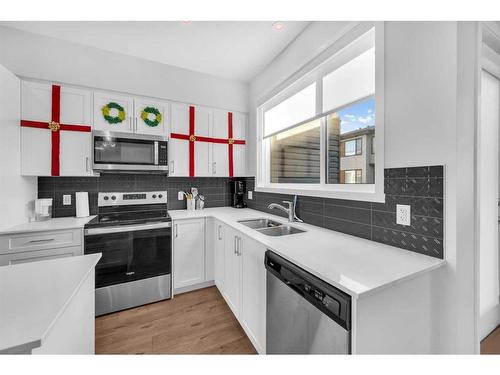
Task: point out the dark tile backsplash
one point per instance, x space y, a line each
419 187
215 189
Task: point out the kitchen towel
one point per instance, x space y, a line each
82 204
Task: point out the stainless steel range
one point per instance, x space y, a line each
133 231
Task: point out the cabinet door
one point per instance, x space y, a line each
189 252
219 243
232 271
36 144
179 157
202 157
220 156
101 99
253 291
178 149
154 119
239 151
76 147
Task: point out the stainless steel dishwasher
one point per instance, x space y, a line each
305 315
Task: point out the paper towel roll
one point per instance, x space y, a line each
82 204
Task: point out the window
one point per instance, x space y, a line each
352 176
295 155
352 147
318 133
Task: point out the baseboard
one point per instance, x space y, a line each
489 321
190 288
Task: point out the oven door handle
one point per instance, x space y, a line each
127 228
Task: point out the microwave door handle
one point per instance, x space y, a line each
156 152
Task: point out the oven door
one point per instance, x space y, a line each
130 252
121 151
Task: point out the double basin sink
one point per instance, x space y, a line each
270 227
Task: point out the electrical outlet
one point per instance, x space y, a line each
403 214
180 196
250 194
67 200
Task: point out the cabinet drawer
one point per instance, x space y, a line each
15 243
38 255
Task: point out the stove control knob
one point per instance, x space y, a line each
106 197
160 196
113 197
154 195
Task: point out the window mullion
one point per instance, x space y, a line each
323 150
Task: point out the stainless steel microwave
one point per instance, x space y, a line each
115 152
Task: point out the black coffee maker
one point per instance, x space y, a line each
238 194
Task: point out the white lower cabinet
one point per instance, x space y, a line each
236 264
253 291
218 253
189 252
232 270
241 278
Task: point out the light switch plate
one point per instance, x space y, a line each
250 194
67 200
403 214
180 196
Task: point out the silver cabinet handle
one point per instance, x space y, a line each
86 164
135 124
171 166
176 230
130 125
214 168
235 244
42 240
239 246
219 232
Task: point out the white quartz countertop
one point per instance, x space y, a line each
34 295
355 265
48 225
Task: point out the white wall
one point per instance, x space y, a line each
16 192
429 118
35 56
489 307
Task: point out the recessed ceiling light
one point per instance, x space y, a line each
187 22
278 25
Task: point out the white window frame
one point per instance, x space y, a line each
305 76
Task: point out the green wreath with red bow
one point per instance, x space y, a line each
151 116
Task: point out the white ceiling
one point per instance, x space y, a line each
233 49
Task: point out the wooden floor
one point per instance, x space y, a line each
491 344
198 322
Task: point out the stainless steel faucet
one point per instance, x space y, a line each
290 210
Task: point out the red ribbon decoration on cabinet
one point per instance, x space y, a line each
55 126
192 138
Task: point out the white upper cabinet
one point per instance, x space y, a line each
220 151
189 153
151 117
69 110
224 123
178 149
239 150
113 112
